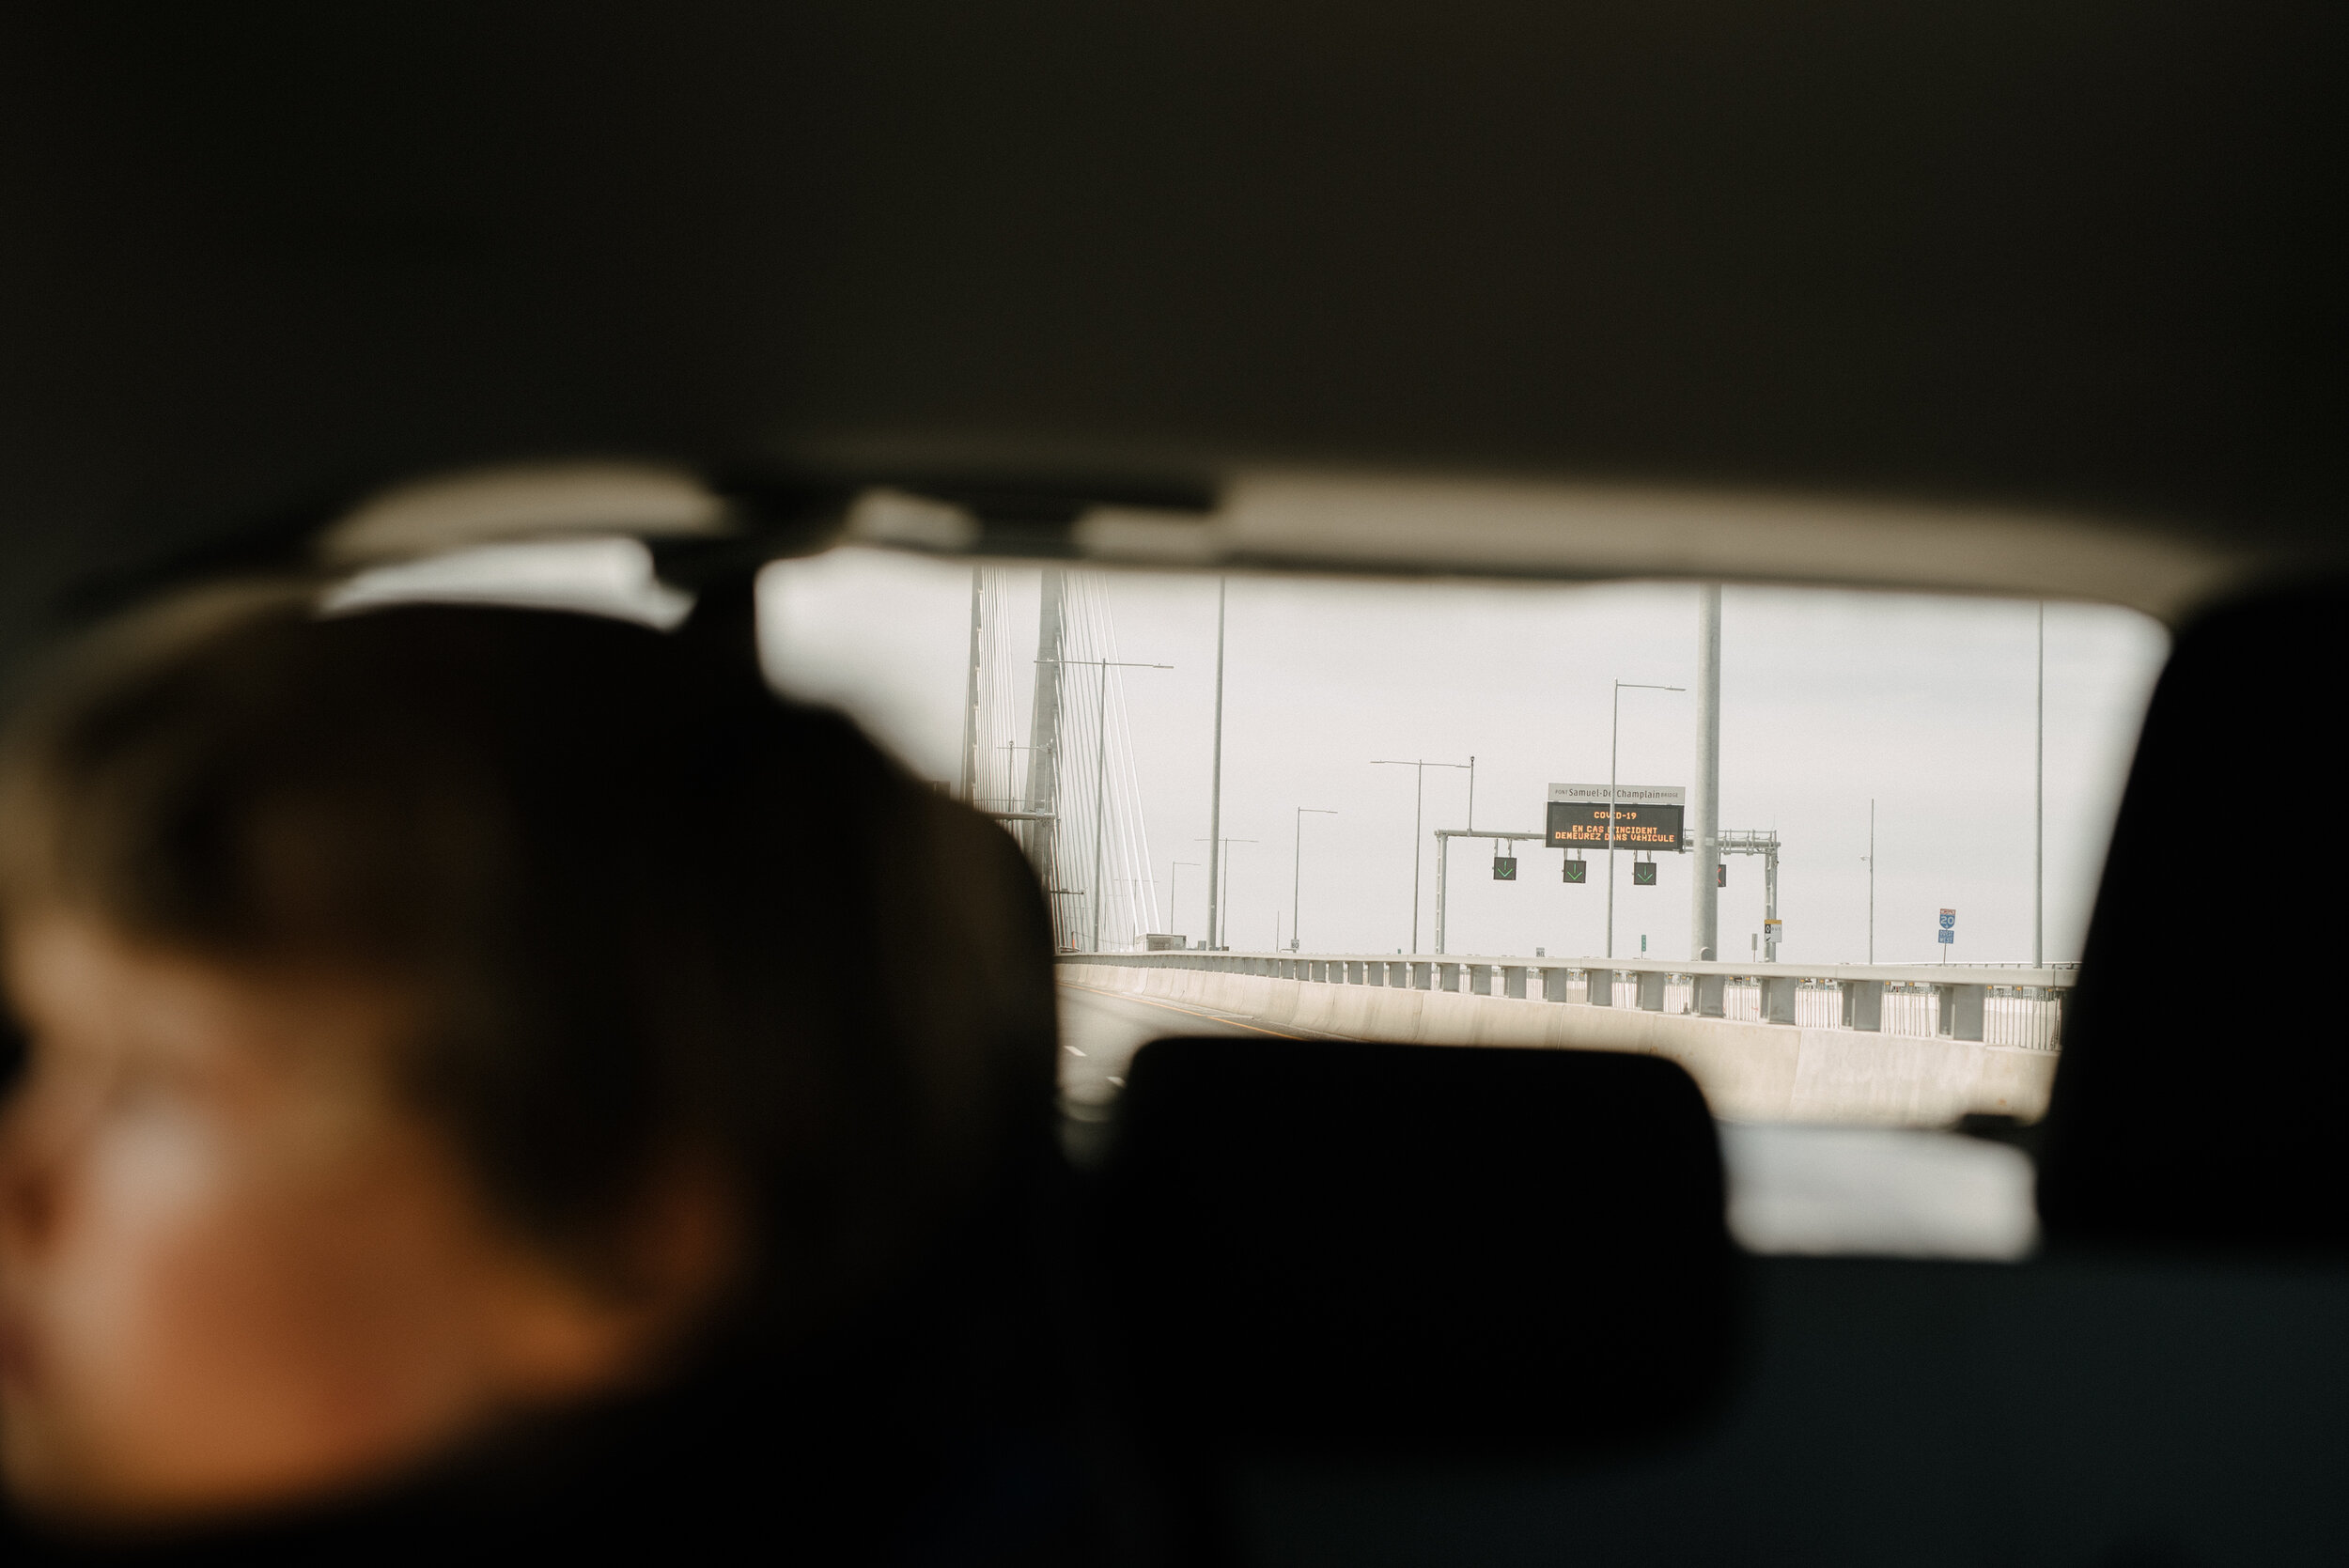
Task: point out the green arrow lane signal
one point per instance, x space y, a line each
1578 871
1642 874
1504 868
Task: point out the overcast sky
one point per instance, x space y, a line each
1828 699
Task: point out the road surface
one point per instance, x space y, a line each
1101 1031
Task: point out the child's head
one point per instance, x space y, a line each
440 1014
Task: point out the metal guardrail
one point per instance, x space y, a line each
2022 1007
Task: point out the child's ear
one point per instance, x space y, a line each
558 1336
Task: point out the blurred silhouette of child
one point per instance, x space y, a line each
467 1104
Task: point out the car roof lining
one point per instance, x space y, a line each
1867 294
1420 525
1328 522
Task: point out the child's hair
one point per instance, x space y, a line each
648 909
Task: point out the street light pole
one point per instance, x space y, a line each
1419 805
1296 864
2039 805
1705 900
1443 855
1614 738
1871 881
1215 791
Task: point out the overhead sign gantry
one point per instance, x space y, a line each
1646 816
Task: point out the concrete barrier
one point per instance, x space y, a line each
1749 1071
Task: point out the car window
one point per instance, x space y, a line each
1915 794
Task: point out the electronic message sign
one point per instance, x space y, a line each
1648 816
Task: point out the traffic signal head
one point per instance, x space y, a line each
1504 868
1642 874
1578 871
1720 873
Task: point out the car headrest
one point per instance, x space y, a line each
2206 1059
1336 1246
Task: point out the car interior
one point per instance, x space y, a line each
1922 309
